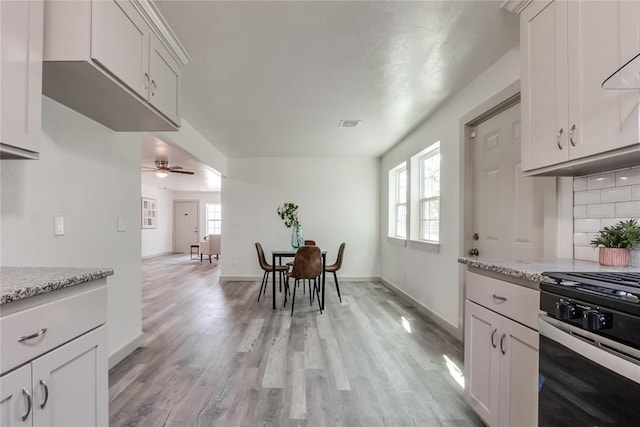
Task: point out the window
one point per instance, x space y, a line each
429 202
398 201
214 218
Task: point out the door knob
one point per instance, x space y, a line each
474 252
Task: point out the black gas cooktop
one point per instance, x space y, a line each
607 303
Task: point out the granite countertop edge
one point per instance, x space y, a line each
532 270
18 283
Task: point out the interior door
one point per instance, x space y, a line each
508 216
186 225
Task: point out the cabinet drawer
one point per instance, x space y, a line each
64 319
513 301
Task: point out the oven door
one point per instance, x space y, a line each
586 380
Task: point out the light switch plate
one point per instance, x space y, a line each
58 226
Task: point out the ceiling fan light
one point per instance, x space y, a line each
161 174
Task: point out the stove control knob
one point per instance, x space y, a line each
565 310
593 320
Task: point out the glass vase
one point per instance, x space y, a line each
297 239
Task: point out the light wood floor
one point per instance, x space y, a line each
214 356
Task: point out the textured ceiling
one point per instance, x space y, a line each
275 78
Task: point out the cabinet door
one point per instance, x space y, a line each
164 91
21 35
518 375
603 35
543 38
70 383
15 393
120 43
482 361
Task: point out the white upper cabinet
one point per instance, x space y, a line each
20 78
570 124
115 62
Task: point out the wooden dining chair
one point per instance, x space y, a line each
268 268
336 266
307 264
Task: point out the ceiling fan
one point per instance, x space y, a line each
162 169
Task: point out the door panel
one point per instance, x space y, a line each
508 207
543 32
76 381
604 119
185 225
165 81
13 401
120 43
481 361
518 375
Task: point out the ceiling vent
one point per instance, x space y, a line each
349 123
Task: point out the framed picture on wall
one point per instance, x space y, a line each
149 214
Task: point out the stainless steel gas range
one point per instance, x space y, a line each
590 349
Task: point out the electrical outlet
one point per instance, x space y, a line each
58 226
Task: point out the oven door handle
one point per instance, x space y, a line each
610 354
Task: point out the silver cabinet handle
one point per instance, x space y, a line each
45 388
27 396
498 299
145 83
493 334
32 336
560 132
501 343
155 86
571 131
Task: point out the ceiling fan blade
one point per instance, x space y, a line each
184 172
175 167
148 168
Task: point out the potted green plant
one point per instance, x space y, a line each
288 212
615 243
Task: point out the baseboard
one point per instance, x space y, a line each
158 255
224 279
444 324
118 355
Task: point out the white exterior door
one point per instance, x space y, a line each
508 214
185 225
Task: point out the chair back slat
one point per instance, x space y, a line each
261 259
340 255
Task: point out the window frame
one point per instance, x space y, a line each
398 201
425 201
217 222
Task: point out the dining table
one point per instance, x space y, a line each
291 253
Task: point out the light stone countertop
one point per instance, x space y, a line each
17 283
532 270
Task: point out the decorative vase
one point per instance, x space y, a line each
297 239
614 257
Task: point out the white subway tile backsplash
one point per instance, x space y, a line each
586 253
586 197
580 239
580 211
630 209
616 194
601 181
603 200
579 184
601 210
628 177
586 225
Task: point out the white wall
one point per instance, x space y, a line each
433 278
91 176
158 241
338 199
203 197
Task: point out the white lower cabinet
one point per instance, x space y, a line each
53 368
65 387
501 367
